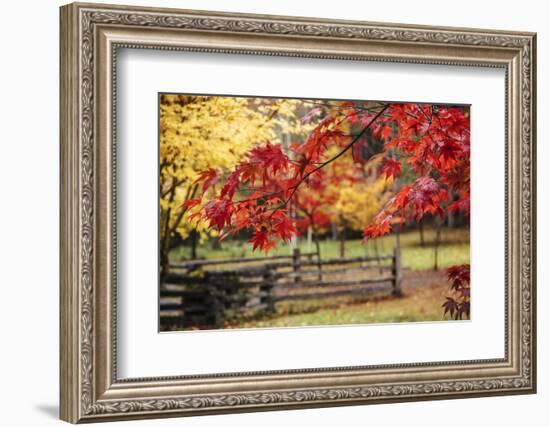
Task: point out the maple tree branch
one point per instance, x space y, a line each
295 187
174 185
325 163
272 193
337 156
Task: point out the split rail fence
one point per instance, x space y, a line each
207 293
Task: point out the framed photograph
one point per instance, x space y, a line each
267 212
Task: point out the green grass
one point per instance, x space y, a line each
454 249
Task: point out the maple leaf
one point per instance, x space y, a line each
461 205
464 292
248 172
463 308
386 132
283 226
449 152
401 199
450 306
288 185
241 218
260 240
269 157
209 178
191 203
231 184
415 126
319 139
390 168
352 117
459 305
381 226
459 275
218 212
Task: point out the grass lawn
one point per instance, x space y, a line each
454 249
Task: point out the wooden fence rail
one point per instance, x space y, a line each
203 295
201 263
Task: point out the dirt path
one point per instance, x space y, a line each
422 278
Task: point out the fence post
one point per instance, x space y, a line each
268 284
396 270
296 264
216 302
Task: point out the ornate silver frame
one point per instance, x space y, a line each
90 36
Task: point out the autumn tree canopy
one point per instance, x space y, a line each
259 192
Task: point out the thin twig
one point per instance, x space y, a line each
340 154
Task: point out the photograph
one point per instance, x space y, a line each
267 208
289 212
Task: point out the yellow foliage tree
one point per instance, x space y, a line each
357 204
356 201
202 132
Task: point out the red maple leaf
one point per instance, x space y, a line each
450 306
381 226
191 203
390 168
231 184
386 132
209 178
218 212
458 304
283 226
462 204
260 240
269 157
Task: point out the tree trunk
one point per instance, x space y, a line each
309 239
217 244
194 236
166 236
451 219
398 239
318 251
168 229
397 232
421 230
164 265
334 230
343 240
